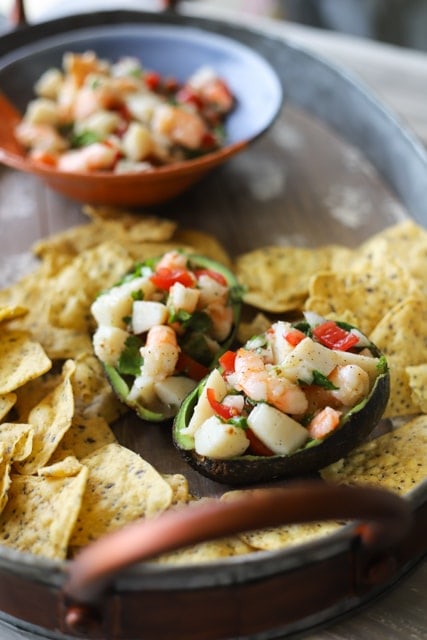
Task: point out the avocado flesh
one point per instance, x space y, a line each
355 426
163 413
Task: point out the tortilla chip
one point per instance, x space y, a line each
407 242
5 465
85 436
41 512
204 244
31 393
131 226
206 552
7 402
17 440
93 395
417 378
21 359
396 460
179 486
50 418
77 285
402 337
368 290
10 313
274 538
68 466
122 487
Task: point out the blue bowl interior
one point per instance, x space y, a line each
170 50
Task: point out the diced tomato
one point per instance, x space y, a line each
257 447
209 140
215 275
152 80
221 410
331 335
294 337
164 278
170 84
227 362
188 365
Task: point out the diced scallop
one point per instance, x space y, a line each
222 440
280 433
147 314
181 297
173 390
42 111
113 307
306 357
143 391
49 84
137 143
141 106
108 344
101 123
203 409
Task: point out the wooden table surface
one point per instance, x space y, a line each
29 211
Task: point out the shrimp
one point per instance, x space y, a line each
352 382
324 423
42 137
211 89
260 383
160 352
93 157
182 127
172 260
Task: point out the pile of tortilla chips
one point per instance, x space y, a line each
64 478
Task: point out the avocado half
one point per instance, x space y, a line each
354 428
121 385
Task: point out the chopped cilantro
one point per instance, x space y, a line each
130 361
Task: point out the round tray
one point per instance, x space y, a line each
336 167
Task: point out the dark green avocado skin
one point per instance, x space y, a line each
246 470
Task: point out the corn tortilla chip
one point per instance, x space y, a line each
5 465
10 313
17 440
50 418
7 402
41 512
121 488
68 466
417 377
85 436
206 552
402 336
396 460
21 359
93 395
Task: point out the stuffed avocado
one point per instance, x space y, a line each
289 402
163 327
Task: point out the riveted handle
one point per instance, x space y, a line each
385 519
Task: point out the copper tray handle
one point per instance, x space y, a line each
18 17
385 518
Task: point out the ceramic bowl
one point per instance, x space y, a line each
172 50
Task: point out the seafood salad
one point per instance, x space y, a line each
95 115
289 387
162 327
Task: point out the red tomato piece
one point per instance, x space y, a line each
257 447
152 80
190 366
294 337
227 362
331 335
187 96
215 275
221 410
164 278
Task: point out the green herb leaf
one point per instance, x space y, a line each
322 381
131 361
